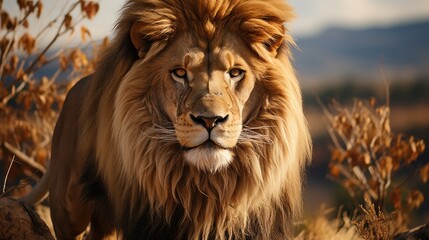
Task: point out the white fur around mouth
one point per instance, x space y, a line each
208 158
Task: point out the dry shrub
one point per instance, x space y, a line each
373 224
30 100
365 158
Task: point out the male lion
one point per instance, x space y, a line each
190 128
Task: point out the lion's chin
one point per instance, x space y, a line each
209 158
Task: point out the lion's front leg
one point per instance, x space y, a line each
101 226
73 211
69 212
94 235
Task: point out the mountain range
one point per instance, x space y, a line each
336 54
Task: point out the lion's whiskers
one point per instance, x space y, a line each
255 135
166 134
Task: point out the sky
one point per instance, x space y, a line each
315 15
312 15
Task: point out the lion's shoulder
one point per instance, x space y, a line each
67 126
77 93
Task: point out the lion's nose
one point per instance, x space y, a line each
209 122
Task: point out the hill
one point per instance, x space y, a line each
339 53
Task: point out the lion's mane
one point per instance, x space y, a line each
259 194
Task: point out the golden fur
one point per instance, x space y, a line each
127 150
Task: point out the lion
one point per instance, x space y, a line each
191 127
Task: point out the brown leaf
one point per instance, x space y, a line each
396 198
372 102
91 9
358 158
84 32
78 59
386 126
31 7
39 9
82 5
337 155
415 199
366 158
27 42
25 23
43 60
334 170
4 18
4 44
45 81
424 173
41 155
64 63
14 62
7 70
68 20
420 146
22 4
27 102
387 165
11 24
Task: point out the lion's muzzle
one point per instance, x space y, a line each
209 130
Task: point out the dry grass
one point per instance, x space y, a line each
322 227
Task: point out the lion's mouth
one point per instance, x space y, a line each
208 144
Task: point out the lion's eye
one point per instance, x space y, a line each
179 75
179 72
236 74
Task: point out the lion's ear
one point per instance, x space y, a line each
264 35
263 31
141 43
151 32
263 26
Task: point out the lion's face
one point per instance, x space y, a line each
206 90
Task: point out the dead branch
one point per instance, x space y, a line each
23 158
7 174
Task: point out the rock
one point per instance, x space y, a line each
18 221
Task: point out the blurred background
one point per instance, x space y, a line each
347 49
344 46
